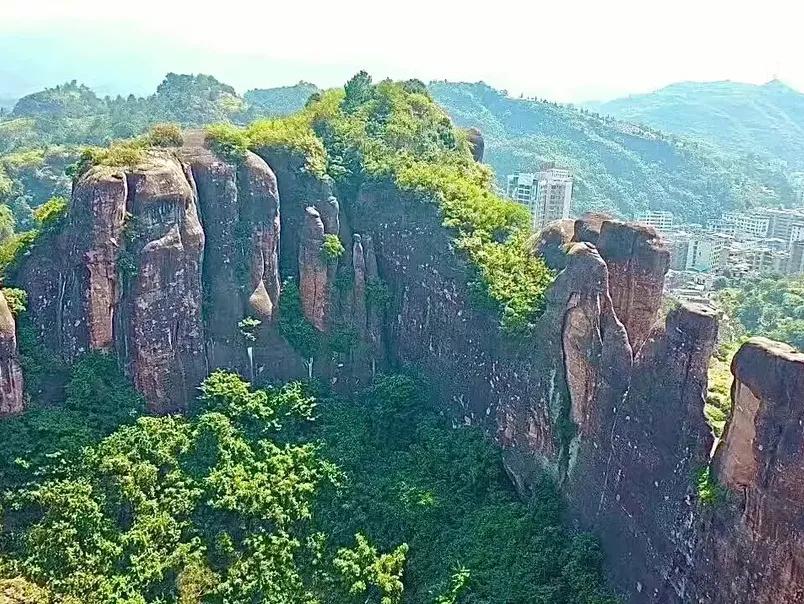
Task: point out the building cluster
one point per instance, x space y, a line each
740 244
546 193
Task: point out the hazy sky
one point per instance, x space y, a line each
566 50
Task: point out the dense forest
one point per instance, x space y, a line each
765 121
772 307
268 496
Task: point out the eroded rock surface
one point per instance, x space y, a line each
313 273
161 325
637 260
757 536
11 384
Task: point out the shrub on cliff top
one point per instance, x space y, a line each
165 135
229 142
120 154
394 131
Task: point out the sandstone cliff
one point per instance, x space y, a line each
11 386
135 273
163 261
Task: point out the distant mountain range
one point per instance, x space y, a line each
619 167
765 120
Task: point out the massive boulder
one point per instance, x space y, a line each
313 271
11 385
757 534
637 260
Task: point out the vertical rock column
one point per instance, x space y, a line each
313 270
637 260
164 333
259 207
94 239
643 501
359 314
758 550
11 385
376 313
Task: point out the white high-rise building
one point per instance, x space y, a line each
547 194
658 219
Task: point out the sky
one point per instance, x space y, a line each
565 50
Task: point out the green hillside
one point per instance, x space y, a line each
765 120
618 166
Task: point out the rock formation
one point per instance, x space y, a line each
757 534
637 261
161 261
240 210
476 143
313 271
160 321
133 274
11 385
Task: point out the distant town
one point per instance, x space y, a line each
738 245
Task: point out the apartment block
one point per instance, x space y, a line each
547 194
658 219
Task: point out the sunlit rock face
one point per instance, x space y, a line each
11 385
163 262
757 534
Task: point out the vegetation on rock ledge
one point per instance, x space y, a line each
394 131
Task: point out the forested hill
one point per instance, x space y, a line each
617 165
764 120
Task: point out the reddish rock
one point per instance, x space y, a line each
637 260
95 238
313 273
240 211
594 343
11 385
552 242
587 227
635 486
162 325
476 143
757 541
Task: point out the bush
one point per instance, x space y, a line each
248 328
332 248
227 141
50 213
293 325
16 298
165 135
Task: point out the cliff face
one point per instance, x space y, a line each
11 386
757 535
135 274
175 265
